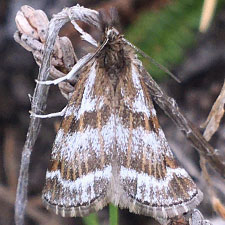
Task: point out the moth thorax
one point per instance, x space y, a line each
112 34
113 58
114 63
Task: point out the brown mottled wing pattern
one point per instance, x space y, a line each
151 182
110 147
80 171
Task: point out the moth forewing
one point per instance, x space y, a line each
81 170
152 182
110 146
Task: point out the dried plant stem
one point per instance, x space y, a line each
38 105
207 14
212 124
215 201
216 114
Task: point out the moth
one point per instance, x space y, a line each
110 146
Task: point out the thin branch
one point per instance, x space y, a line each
213 121
212 124
207 14
38 105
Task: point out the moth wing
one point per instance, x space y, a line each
80 171
151 181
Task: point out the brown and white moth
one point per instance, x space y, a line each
110 146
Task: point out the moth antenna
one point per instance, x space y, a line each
104 19
115 18
114 14
163 68
109 18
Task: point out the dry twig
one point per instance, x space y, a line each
218 206
207 14
212 123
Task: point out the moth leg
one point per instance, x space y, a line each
51 115
72 74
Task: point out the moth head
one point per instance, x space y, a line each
112 34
